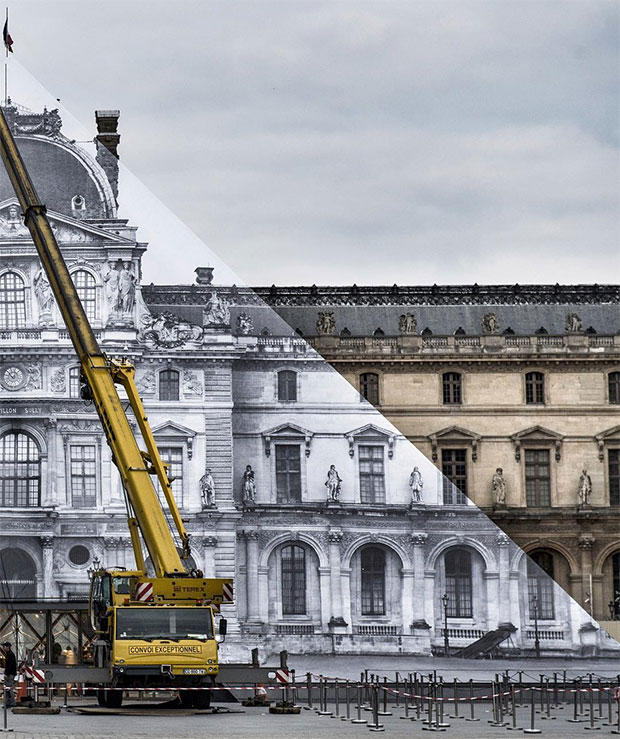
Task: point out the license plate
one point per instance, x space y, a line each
194 671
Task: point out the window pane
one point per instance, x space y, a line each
540 585
614 476
74 382
20 471
85 285
451 388
458 583
372 474
537 477
173 455
169 385
614 387
454 469
83 475
288 473
534 387
369 387
12 301
293 580
373 581
287 385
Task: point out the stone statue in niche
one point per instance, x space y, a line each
44 295
126 289
249 485
490 324
207 489
499 487
416 483
12 225
333 483
112 284
244 324
217 311
573 324
584 489
407 324
326 323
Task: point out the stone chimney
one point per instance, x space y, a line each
107 141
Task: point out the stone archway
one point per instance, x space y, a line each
18 575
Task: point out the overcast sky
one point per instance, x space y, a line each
335 142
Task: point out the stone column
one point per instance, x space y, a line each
263 594
50 589
251 570
324 584
503 546
336 622
418 585
585 545
49 490
208 560
407 598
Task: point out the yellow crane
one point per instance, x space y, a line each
157 630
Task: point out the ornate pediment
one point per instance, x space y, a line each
171 432
611 436
537 436
287 432
66 229
455 435
370 432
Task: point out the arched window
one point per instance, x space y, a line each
17 576
373 581
20 471
540 585
613 383
12 301
369 387
535 388
293 560
85 285
169 385
287 385
615 601
452 390
74 382
458 583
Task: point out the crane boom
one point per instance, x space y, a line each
101 375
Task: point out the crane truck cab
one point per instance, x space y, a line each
155 632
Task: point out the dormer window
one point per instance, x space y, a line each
78 203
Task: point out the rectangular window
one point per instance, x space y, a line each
287 385
288 473
540 593
83 475
454 468
173 455
372 474
452 394
614 477
535 388
537 478
293 581
373 582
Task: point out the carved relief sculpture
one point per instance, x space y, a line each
207 489
249 485
499 487
191 383
407 324
326 323
11 224
490 324
217 311
58 381
416 483
45 297
167 330
146 383
585 488
333 483
244 324
573 324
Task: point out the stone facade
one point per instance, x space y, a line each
290 482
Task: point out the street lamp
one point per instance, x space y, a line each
446 645
534 602
95 566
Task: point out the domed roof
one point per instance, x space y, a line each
66 178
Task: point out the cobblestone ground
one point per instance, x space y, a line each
257 723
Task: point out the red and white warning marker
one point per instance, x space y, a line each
227 592
283 676
144 591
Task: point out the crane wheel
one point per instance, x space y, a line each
110 698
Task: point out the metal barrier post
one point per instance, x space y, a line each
532 729
600 702
547 716
591 727
5 710
385 711
471 702
513 704
455 691
347 700
66 697
375 726
407 690
555 690
336 713
574 719
520 688
610 713
417 689
580 694
397 681
323 697
309 690
359 719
